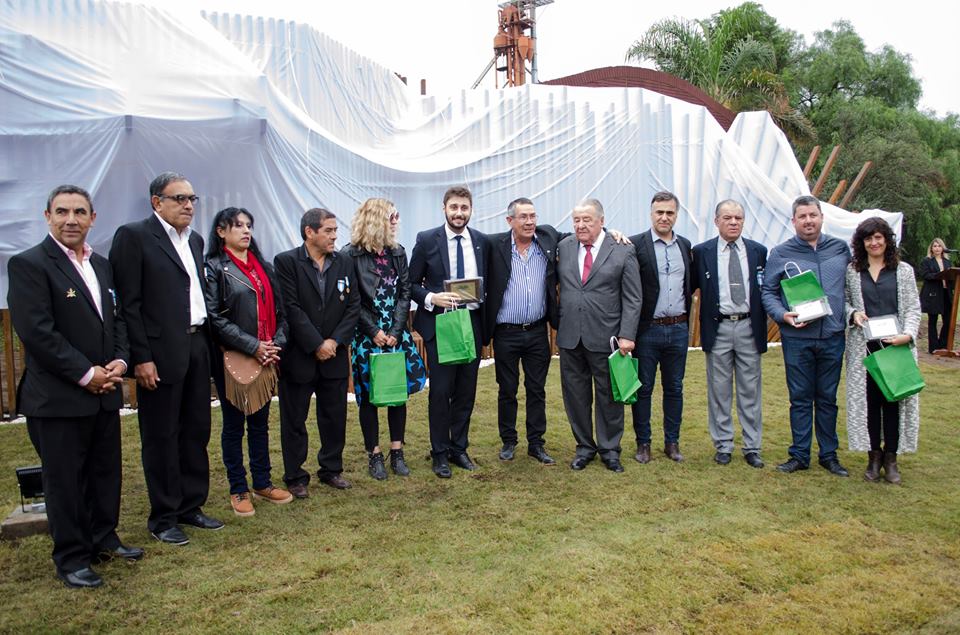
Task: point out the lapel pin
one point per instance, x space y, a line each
71 293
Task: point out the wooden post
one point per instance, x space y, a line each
855 186
826 171
841 186
10 389
808 169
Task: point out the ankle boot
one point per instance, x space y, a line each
397 464
377 469
874 458
890 471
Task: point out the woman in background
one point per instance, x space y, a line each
936 298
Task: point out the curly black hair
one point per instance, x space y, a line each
869 227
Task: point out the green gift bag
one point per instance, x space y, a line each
388 379
804 294
624 375
455 343
895 372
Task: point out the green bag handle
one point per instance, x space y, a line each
795 266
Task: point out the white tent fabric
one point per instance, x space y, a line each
276 117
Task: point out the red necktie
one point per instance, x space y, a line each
587 263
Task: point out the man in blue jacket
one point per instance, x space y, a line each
813 350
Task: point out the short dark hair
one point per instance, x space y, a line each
457 190
313 218
512 207
867 228
224 219
162 180
725 202
68 189
663 196
805 200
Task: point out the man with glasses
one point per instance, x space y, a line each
662 335
157 266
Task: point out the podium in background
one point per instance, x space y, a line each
951 275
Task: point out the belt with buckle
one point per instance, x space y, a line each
529 326
196 328
667 321
734 317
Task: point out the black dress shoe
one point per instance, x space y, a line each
299 490
120 551
460 459
441 468
85 578
613 465
580 463
721 458
672 450
791 466
833 466
335 481
643 453
506 452
541 455
753 459
172 536
201 521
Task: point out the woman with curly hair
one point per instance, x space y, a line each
936 297
384 285
878 284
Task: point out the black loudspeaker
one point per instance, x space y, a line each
30 481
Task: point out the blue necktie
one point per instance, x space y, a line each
460 271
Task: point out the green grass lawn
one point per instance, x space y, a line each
516 547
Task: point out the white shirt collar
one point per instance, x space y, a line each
171 230
596 244
452 234
87 249
723 244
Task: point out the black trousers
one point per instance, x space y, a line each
174 432
453 389
511 347
81 484
883 417
370 424
331 425
937 338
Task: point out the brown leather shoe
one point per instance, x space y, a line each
273 494
873 466
336 481
241 504
890 470
672 450
643 453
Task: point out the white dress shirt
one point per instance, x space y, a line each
582 251
181 243
469 261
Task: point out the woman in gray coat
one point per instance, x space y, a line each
877 283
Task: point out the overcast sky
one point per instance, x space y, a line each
450 43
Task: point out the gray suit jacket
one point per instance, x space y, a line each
607 305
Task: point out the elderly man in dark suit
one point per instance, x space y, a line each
521 301
450 251
600 298
64 309
728 270
158 267
663 332
323 308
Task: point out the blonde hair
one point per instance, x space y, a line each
370 229
943 247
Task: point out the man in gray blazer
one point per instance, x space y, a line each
600 298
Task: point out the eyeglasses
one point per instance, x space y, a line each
181 199
394 217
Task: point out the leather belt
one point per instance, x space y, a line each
734 317
667 321
195 328
529 326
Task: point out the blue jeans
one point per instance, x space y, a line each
813 372
665 345
231 441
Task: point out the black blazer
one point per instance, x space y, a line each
650 280
500 266
430 266
367 280
933 297
63 335
232 306
154 290
705 278
313 319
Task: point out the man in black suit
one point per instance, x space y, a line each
157 265
521 301
728 270
662 335
322 312
63 307
447 252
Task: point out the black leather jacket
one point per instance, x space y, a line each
232 306
367 281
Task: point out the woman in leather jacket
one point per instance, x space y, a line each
246 315
384 285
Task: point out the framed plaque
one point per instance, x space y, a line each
469 289
881 327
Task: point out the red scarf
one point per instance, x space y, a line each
266 312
